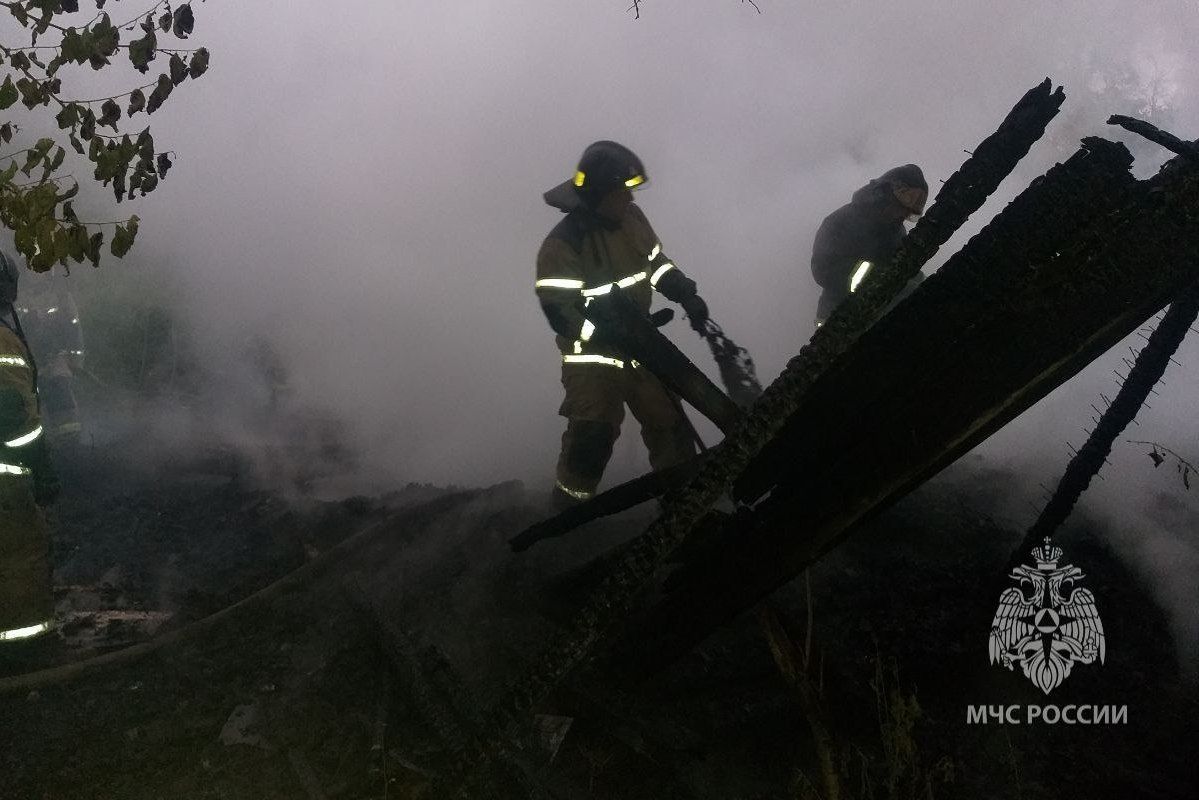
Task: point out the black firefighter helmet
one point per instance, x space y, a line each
604 166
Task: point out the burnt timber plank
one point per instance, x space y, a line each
1067 270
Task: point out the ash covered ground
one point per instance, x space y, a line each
342 649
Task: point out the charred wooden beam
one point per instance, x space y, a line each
613 501
1056 279
1148 369
1156 135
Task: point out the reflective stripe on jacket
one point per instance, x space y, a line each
850 235
20 423
585 257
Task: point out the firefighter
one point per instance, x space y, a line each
26 482
51 321
864 234
605 242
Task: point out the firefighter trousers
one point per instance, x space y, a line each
26 594
596 396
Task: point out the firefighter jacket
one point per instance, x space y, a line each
20 423
585 256
26 597
851 235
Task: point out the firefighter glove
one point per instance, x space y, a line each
661 317
697 311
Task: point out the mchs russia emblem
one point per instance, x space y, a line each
1047 622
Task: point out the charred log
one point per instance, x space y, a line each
1156 135
1148 369
613 501
1063 267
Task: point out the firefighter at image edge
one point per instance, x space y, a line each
26 484
51 321
605 241
865 233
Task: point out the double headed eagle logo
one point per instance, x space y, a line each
1046 623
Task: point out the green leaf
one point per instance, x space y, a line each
105 35
43 24
78 242
164 164
69 6
68 116
31 160
122 240
144 146
19 61
164 22
137 102
42 260
199 63
75 143
161 92
110 114
8 93
76 46
6 132
93 248
55 63
25 240
59 156
62 245
31 93
178 69
87 124
142 51
183 21
69 193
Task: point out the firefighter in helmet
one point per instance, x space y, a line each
605 242
26 482
864 234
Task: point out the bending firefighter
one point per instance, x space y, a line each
605 242
864 234
26 482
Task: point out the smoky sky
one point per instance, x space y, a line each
361 183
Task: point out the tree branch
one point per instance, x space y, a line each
1168 452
